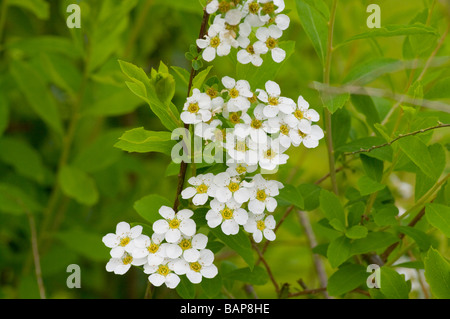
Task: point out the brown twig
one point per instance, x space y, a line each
400 136
266 265
183 165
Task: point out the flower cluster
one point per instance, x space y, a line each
173 249
253 27
236 202
254 127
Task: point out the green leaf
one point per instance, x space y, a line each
423 181
142 141
14 200
338 251
331 206
438 215
257 276
336 102
212 286
356 232
372 167
240 243
394 30
346 278
315 26
87 244
382 153
291 195
39 8
78 185
373 242
4 114
393 285
368 186
100 154
365 105
36 45
311 195
340 127
368 71
25 160
148 207
439 90
185 288
38 96
386 215
165 87
420 237
118 102
200 78
437 273
418 153
257 76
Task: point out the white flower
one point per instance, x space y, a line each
121 265
248 54
271 154
303 111
197 108
287 126
122 240
150 248
235 117
162 274
241 150
268 41
229 215
206 130
212 6
268 6
262 194
255 127
233 16
309 139
203 188
239 92
254 17
282 21
275 102
214 43
230 186
196 270
261 226
239 168
189 247
174 224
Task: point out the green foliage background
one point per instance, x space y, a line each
64 105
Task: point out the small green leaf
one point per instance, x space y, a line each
200 78
148 207
437 273
291 195
185 288
212 286
240 243
40 8
386 215
346 278
331 206
420 237
257 276
373 242
338 251
418 153
142 141
372 167
393 285
438 215
368 186
336 102
76 184
356 232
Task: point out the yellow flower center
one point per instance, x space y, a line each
273 100
261 195
224 6
284 129
253 7
202 189
235 118
153 248
303 135
163 270
127 260
241 169
250 49
233 93
174 223
193 108
271 43
241 146
214 42
270 154
256 124
195 266
185 244
260 225
253 99
268 8
211 92
298 114
233 187
226 213
124 241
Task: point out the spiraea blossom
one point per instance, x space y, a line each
237 22
122 240
174 225
229 215
261 226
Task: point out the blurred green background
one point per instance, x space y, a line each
75 73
